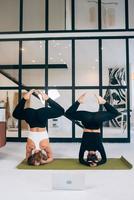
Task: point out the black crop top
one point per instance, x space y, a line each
91 120
37 117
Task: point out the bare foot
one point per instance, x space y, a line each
100 99
82 98
43 95
28 94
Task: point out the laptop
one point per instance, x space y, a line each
68 181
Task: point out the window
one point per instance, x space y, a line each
33 15
9 15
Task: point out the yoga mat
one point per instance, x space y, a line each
73 164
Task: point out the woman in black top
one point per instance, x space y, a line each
38 141
91 121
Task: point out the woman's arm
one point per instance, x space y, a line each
19 111
49 153
72 112
110 113
28 151
81 156
111 109
55 109
103 155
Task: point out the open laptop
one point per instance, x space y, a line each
68 181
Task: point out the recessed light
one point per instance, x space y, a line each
33 61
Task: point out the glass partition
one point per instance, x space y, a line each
33 52
9 15
86 14
33 15
116 128
86 63
9 53
60 58
56 14
33 77
113 14
131 13
9 77
57 79
114 62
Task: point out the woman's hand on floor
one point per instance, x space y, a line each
92 164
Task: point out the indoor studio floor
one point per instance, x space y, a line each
37 184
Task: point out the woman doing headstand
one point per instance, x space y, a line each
38 150
92 122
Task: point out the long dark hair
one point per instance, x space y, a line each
92 157
35 159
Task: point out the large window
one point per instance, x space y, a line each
67 68
9 53
9 15
113 14
59 15
118 127
64 15
60 59
131 13
114 62
86 14
86 63
114 79
33 15
33 52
